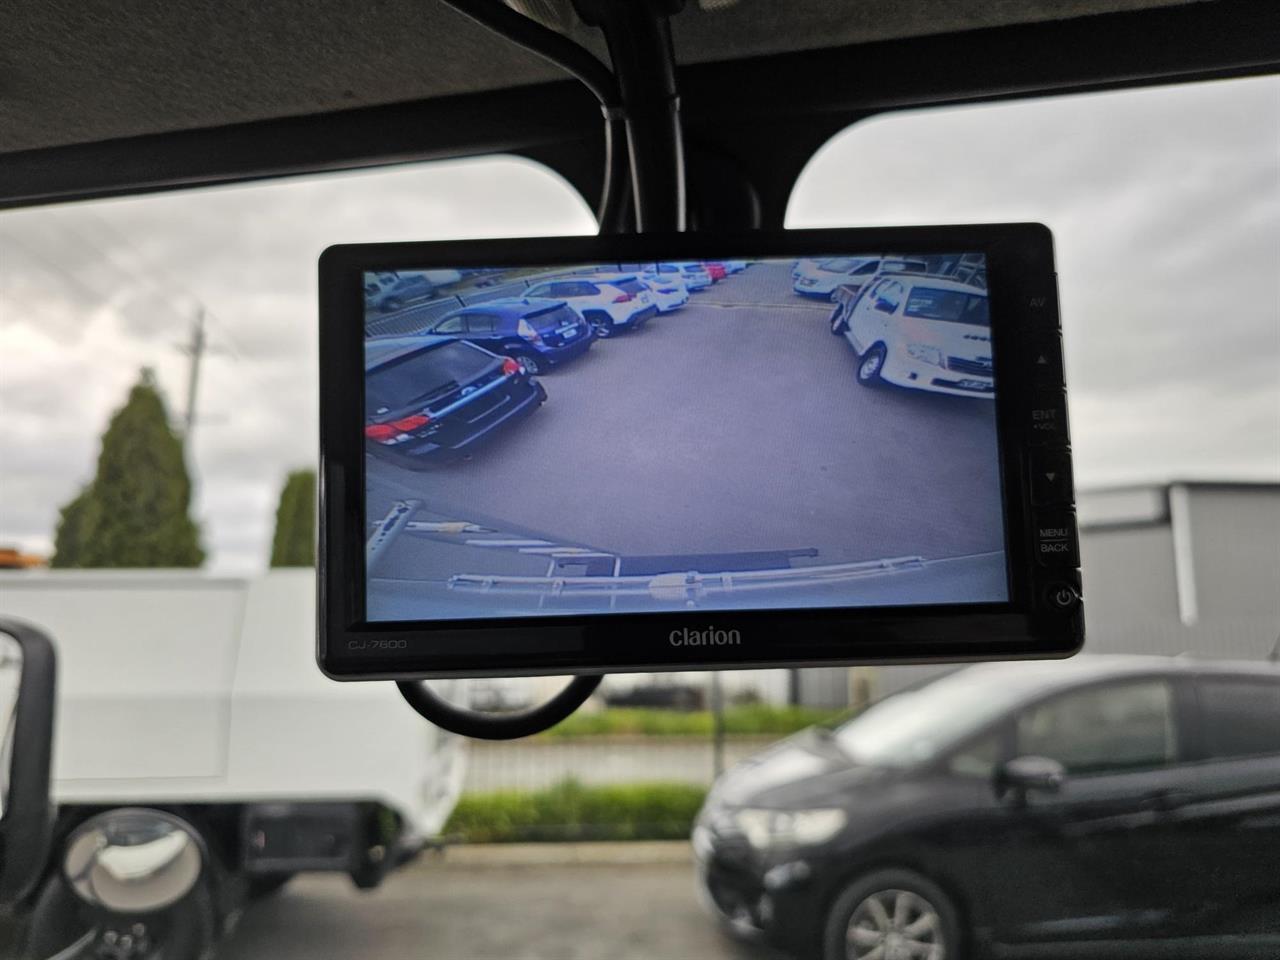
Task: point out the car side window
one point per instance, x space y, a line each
867 269
1100 729
1239 717
583 289
978 759
888 296
450 325
480 323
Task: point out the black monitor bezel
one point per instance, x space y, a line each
1023 292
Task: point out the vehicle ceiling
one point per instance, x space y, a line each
148 94
76 72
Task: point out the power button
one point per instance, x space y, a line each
1062 596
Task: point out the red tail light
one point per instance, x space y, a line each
387 432
510 367
415 422
622 298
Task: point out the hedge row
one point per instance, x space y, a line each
741 720
573 811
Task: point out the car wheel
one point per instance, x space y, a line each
870 366
391 305
892 915
838 325
602 325
60 922
532 363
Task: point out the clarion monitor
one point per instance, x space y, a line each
672 452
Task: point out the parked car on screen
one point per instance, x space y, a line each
669 291
610 302
538 333
694 275
929 333
735 266
819 278
1010 806
715 270
391 290
430 398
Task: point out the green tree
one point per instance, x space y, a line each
136 511
294 544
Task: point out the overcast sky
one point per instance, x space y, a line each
1165 205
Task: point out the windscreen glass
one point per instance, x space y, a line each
658 437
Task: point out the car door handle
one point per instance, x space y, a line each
1164 800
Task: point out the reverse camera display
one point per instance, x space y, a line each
681 436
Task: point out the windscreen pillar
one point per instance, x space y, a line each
639 39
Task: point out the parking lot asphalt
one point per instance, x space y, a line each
465 912
733 424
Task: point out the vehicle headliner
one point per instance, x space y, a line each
77 73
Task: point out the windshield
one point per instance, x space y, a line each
158 422
928 303
915 726
424 374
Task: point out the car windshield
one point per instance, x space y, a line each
929 303
553 316
423 374
915 726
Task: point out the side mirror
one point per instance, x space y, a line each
27 680
1023 775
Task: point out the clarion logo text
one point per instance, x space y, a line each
710 637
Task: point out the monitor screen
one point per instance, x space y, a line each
681 436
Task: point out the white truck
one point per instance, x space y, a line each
198 697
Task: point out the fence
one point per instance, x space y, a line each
534 764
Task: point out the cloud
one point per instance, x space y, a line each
89 293
1165 207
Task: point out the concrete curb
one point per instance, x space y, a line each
554 854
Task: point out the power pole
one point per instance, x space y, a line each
194 351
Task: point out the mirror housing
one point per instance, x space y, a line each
1023 775
26 818
133 861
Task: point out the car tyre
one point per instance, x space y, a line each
894 912
838 324
870 366
391 305
59 919
602 325
532 363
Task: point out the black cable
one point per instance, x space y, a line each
497 726
594 75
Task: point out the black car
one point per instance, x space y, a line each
427 398
536 331
1112 804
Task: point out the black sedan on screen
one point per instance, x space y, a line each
540 333
432 398
1120 804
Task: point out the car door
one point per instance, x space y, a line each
872 313
1100 859
454 326
481 330
1230 814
